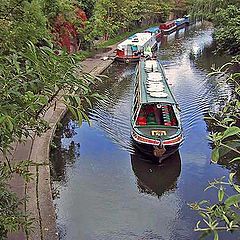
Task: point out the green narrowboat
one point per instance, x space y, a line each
155 119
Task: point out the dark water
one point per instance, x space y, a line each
104 191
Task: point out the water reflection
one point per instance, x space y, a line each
106 193
156 179
61 156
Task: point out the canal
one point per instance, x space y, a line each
103 191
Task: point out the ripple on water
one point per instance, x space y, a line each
195 91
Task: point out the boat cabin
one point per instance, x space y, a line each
135 45
156 114
155 31
181 21
167 25
152 30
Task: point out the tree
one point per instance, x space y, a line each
32 72
225 17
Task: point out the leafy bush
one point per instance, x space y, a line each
225 214
226 18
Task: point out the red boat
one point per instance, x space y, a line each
168 27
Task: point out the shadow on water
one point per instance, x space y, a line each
156 179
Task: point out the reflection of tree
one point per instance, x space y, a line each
63 155
156 179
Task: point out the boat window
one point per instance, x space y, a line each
134 48
156 114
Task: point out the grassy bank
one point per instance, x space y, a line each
122 36
91 52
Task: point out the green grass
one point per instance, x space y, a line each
89 53
84 54
122 36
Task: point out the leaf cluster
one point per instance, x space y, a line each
225 214
12 216
221 216
111 17
225 16
227 138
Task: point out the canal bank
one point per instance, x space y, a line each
39 205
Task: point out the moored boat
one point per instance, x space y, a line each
135 46
168 27
155 31
155 119
181 22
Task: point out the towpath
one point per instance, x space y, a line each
38 190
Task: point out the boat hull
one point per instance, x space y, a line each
127 58
169 31
157 153
148 151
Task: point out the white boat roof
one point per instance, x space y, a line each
138 39
154 86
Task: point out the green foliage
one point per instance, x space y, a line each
109 17
227 138
21 21
12 216
224 215
32 74
227 32
225 16
29 81
37 77
221 216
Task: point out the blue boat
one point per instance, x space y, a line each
182 21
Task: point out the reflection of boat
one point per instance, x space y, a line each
156 179
155 119
133 48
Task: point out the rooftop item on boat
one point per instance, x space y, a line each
155 119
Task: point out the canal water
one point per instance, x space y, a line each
102 190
